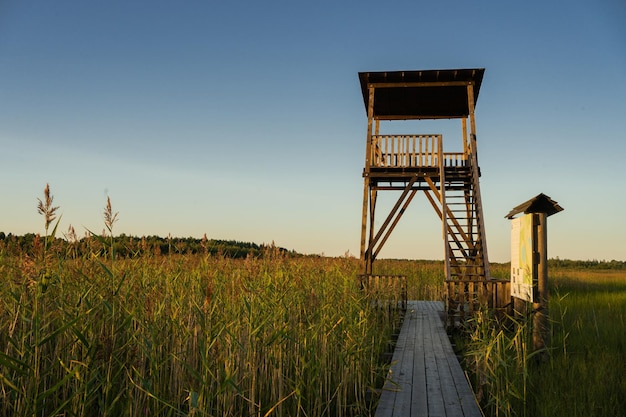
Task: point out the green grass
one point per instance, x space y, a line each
425 279
585 376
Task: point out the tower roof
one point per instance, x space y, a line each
428 94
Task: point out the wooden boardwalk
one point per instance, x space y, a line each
425 378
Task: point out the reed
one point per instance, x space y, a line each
425 278
48 211
109 219
583 375
499 352
181 335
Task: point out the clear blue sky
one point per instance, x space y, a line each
244 120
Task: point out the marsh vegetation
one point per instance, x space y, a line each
582 371
105 326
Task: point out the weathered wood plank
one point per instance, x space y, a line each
419 400
393 385
405 373
425 378
436 406
448 384
466 397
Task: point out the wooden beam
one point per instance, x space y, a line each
370 248
420 84
413 117
541 328
434 204
393 225
370 118
366 187
368 255
448 228
450 215
366 180
464 127
478 205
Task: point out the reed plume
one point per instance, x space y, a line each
109 216
109 219
45 207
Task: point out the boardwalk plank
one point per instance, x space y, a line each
419 400
405 373
467 400
448 385
425 377
393 387
436 407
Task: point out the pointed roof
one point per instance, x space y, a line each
427 94
538 204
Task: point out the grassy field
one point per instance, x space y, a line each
584 372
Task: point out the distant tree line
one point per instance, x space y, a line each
589 264
578 264
131 246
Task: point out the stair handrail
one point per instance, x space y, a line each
479 204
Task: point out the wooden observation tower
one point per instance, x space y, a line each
445 169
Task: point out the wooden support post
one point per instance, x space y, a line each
366 192
366 182
465 145
540 306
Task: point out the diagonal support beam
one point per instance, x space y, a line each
396 220
448 227
391 219
450 214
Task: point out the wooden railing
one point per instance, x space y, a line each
402 151
385 290
454 159
465 297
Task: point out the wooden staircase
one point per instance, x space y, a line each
465 241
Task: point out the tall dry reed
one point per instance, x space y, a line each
187 335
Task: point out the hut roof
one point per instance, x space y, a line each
541 203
